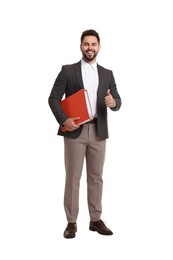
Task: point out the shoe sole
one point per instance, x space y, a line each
69 236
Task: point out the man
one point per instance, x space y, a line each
88 140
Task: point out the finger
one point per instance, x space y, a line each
108 92
74 127
76 118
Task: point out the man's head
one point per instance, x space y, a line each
90 45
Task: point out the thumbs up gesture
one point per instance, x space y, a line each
109 100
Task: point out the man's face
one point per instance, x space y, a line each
90 48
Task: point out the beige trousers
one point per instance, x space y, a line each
87 146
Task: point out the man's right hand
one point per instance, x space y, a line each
70 125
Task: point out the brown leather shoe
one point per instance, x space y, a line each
100 227
70 230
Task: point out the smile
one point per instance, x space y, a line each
90 52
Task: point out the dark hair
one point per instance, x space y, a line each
88 33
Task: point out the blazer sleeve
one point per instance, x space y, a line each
114 93
56 95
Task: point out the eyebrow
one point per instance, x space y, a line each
89 43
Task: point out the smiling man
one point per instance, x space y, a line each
86 141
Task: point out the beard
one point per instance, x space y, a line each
88 57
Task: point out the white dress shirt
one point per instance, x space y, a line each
90 81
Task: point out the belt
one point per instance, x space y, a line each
93 121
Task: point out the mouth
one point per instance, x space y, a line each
90 53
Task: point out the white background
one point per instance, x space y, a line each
37 38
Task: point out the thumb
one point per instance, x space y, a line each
108 92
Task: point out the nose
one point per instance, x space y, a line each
89 46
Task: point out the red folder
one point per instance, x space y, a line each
78 105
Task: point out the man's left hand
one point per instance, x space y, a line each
109 100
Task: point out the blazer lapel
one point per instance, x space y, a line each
101 81
79 74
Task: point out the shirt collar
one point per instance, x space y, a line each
86 64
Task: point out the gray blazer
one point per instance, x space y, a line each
68 81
